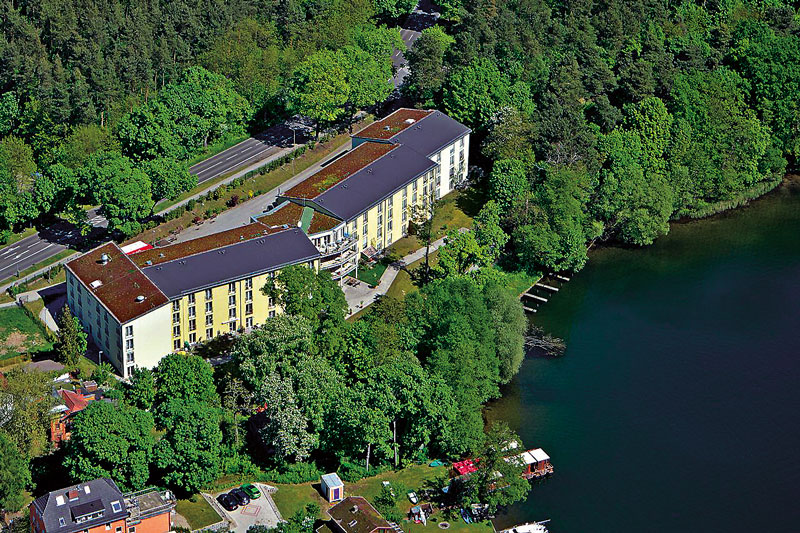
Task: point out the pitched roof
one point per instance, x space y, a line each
359 158
373 183
247 258
432 133
74 401
394 123
117 282
295 215
99 499
354 514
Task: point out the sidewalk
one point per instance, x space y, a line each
362 293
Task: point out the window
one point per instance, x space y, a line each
232 299
191 298
414 187
129 357
209 320
248 296
380 208
176 344
208 294
380 221
132 529
176 305
248 283
209 333
129 344
116 506
405 216
461 143
129 331
364 242
192 325
176 331
389 213
176 318
119 529
108 526
272 314
232 312
62 523
249 322
380 233
232 287
271 301
209 307
248 309
192 338
389 228
232 326
414 198
191 311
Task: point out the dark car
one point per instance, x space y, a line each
241 496
228 502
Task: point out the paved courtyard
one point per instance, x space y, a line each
261 511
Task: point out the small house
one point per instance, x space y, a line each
332 487
355 514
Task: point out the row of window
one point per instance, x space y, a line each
232 327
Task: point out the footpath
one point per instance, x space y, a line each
362 295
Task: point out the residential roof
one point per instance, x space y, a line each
247 258
373 183
394 123
100 496
354 161
180 250
354 514
117 282
75 402
539 454
332 480
432 133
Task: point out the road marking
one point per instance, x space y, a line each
240 163
9 250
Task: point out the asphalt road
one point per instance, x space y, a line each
248 151
45 244
424 16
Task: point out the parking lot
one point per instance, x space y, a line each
261 511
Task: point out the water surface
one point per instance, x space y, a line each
675 407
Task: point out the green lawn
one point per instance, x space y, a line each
372 275
20 334
199 513
291 498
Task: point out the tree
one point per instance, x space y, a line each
511 135
113 441
318 88
509 323
18 157
141 391
72 341
368 79
9 112
421 219
103 374
15 475
498 482
286 432
460 254
169 178
123 190
488 233
426 61
394 8
473 94
25 404
188 455
185 378
508 183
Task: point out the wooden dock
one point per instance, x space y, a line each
550 286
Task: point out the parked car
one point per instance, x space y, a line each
251 490
412 496
241 496
228 502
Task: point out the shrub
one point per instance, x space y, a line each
190 205
233 201
294 473
352 472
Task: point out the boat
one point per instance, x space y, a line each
530 527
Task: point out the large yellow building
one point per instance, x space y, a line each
141 305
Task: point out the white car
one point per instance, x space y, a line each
412 496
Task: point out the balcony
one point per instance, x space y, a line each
345 257
337 247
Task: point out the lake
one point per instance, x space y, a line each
675 405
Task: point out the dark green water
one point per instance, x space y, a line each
675 407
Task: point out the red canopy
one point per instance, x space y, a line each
467 466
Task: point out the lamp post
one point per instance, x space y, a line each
294 145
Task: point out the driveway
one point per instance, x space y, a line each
259 512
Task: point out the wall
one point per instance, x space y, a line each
155 524
151 338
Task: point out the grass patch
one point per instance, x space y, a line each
219 146
38 283
372 275
198 513
291 498
47 262
454 211
19 333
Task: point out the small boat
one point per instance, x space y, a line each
531 527
412 497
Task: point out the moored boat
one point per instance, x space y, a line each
531 527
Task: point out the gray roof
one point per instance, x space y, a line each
374 182
236 261
432 133
332 480
69 504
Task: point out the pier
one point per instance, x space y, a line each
549 282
